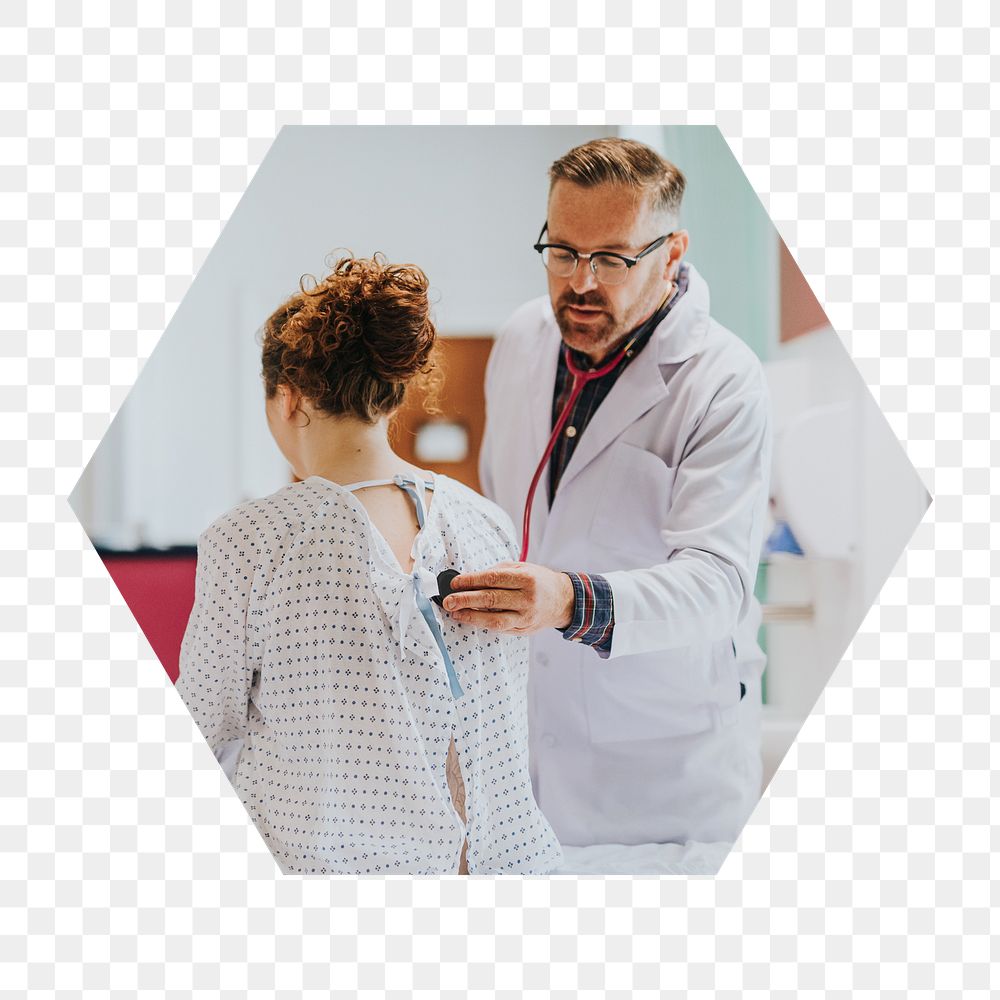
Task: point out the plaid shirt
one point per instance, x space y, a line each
593 620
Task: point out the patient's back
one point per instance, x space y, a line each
394 516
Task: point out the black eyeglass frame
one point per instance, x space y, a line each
629 262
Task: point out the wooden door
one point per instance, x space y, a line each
448 442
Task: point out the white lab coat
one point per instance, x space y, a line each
666 495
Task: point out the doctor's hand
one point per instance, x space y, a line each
512 597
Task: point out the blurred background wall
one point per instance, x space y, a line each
466 204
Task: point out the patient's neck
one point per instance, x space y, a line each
346 450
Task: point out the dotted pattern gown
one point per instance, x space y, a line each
320 688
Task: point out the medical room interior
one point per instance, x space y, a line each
465 204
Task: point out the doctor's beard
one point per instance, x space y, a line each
596 338
610 328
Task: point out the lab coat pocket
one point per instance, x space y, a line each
651 696
635 498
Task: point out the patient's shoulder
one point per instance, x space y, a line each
469 514
475 504
264 522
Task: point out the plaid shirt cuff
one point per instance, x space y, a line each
593 619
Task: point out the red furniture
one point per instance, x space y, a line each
158 587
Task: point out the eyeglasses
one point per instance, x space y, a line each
608 268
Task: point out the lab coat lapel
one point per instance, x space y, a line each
540 381
639 388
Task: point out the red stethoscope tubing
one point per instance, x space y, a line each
580 379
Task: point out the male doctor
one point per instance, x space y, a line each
646 522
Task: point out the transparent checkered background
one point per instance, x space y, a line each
126 863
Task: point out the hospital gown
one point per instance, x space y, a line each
320 688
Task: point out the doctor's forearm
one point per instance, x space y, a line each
688 601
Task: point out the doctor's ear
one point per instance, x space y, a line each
678 245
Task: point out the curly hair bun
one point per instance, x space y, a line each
352 341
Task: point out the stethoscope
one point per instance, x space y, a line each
580 378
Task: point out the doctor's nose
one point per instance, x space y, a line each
582 279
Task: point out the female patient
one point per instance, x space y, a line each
364 733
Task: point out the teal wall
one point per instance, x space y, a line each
734 245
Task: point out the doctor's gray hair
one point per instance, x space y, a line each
626 162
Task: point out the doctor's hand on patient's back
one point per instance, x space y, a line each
520 598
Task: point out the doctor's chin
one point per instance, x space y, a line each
499 501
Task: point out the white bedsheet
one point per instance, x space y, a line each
644 859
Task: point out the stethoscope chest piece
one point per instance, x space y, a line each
444 579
